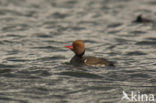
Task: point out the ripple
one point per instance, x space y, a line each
16 27
105 88
15 59
5 70
13 52
15 35
42 35
139 75
34 72
138 32
76 28
6 42
152 38
88 22
136 53
113 76
113 31
36 92
12 12
7 19
121 41
152 3
31 13
26 75
9 66
152 43
81 75
4 98
58 15
51 48
114 25
63 4
52 58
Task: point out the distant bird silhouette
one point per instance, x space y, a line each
141 19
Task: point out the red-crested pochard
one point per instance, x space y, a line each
79 59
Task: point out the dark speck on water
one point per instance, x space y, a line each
34 65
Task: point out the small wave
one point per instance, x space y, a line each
146 43
135 53
81 75
9 66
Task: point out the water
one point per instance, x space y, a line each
34 64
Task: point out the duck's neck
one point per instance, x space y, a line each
80 55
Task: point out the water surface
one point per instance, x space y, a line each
34 64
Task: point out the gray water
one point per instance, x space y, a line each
34 65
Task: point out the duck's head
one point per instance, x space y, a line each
139 18
77 47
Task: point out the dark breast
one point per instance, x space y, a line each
77 61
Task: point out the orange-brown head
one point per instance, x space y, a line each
77 47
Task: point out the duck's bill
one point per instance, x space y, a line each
69 47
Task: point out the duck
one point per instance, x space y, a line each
79 59
141 19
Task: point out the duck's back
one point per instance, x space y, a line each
94 61
90 61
